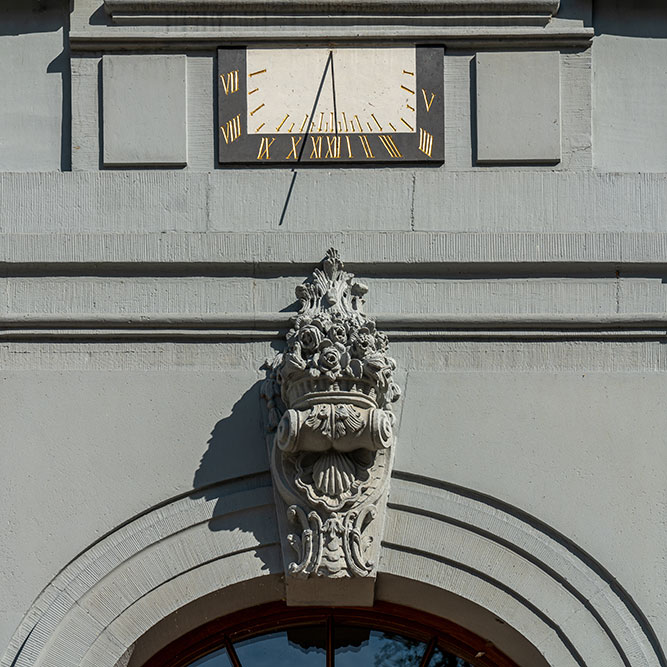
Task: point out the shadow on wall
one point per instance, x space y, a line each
236 462
25 17
625 18
20 17
630 18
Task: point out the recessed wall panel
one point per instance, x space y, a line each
518 107
144 110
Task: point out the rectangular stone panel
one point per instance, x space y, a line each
144 110
518 107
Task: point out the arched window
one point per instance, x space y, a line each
278 636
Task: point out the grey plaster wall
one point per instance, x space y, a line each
34 80
554 432
330 201
72 444
630 86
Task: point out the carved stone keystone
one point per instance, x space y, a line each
330 438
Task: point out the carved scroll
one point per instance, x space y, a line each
330 427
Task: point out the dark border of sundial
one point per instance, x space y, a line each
245 149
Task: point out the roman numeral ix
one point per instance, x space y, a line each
263 153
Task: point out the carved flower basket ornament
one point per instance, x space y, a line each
331 427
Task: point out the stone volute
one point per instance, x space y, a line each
331 437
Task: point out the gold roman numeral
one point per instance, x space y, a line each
333 147
428 103
425 142
231 131
366 146
230 81
295 142
264 146
317 148
391 147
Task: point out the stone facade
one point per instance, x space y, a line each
152 345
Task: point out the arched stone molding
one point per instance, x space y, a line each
447 551
517 568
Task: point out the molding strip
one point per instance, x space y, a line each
417 252
547 7
390 321
269 326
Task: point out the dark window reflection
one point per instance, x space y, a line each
216 659
297 647
354 646
375 648
441 659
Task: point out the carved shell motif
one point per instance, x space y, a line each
333 473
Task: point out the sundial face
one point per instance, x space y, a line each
331 105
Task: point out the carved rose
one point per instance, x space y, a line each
362 343
331 358
310 338
338 333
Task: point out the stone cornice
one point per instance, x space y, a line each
352 30
186 24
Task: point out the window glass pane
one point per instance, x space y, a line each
375 648
217 659
442 659
296 647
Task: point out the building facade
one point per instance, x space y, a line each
491 175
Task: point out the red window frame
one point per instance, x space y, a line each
432 630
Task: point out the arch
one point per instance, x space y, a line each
447 551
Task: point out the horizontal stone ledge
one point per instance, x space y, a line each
395 30
548 7
295 253
217 335
271 323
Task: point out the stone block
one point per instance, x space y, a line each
518 107
144 110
